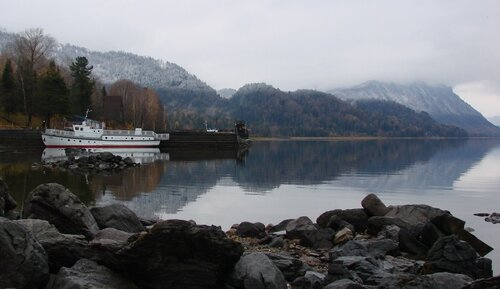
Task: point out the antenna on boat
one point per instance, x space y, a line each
87 113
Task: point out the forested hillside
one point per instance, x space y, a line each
270 111
162 95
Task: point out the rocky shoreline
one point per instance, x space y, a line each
61 243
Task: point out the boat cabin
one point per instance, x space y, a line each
89 129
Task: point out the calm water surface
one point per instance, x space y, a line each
277 180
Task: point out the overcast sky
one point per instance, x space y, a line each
290 44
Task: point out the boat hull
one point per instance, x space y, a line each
53 141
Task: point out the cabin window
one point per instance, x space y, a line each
131 138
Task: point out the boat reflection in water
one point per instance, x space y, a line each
138 155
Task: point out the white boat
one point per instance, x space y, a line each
92 134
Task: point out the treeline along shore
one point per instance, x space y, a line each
56 241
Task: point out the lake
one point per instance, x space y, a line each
276 180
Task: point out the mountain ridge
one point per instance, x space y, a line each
111 66
439 101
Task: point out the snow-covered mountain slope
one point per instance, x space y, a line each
439 101
115 65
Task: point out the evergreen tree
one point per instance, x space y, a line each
10 100
53 94
83 86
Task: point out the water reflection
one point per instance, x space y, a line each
170 180
138 155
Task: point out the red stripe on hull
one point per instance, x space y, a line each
98 146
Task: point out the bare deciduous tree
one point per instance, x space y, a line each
31 49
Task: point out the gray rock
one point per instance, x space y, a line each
63 250
449 254
374 206
256 271
87 274
280 227
111 237
60 207
117 216
177 254
442 280
481 248
295 227
344 284
253 230
356 217
277 242
338 271
376 223
366 248
372 271
488 283
343 236
23 260
410 243
415 214
7 202
310 280
291 267
304 230
389 232
448 224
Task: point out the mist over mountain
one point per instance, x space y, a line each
439 101
226 92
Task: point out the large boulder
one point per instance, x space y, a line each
177 254
60 207
23 261
117 216
63 250
7 202
253 230
374 206
449 254
256 271
87 274
415 214
356 217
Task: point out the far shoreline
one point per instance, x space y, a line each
358 138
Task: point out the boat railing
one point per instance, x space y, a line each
163 136
59 132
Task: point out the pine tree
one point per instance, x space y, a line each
10 100
83 85
53 94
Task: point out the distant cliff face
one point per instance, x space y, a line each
115 65
439 101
